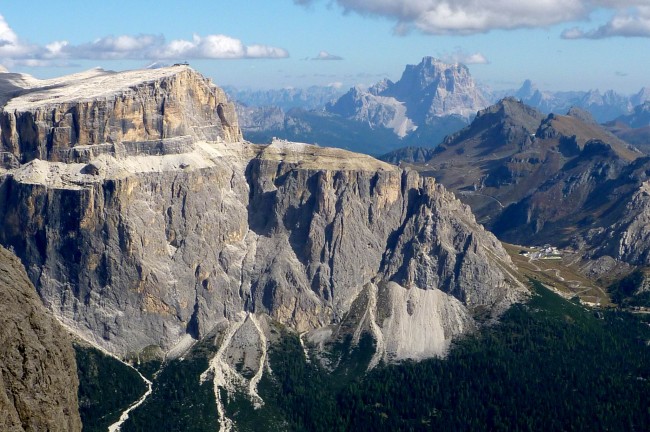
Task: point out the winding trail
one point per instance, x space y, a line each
576 287
484 195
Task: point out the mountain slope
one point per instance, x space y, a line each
536 179
38 382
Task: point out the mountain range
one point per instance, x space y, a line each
147 225
431 100
312 97
199 281
603 107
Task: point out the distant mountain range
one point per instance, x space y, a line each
313 97
431 100
602 106
634 128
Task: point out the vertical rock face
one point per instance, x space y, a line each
142 247
433 88
628 237
49 118
38 380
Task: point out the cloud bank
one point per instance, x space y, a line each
463 17
630 23
13 50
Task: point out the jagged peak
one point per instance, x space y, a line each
431 69
433 62
527 90
380 86
511 107
641 96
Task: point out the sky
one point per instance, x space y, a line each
260 44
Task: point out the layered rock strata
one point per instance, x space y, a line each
143 247
46 119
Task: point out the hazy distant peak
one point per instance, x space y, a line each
426 92
642 96
527 90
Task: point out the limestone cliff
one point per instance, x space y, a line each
55 119
38 380
188 228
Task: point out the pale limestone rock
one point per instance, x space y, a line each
138 243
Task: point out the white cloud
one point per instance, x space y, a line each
478 16
324 55
631 23
459 56
14 51
335 85
10 45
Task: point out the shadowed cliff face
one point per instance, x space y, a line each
144 247
38 380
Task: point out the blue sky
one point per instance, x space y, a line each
559 44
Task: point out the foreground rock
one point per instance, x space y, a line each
153 237
38 379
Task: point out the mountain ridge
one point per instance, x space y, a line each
152 231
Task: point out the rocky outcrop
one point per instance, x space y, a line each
143 248
47 119
433 88
38 380
628 238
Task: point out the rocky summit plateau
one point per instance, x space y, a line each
146 222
